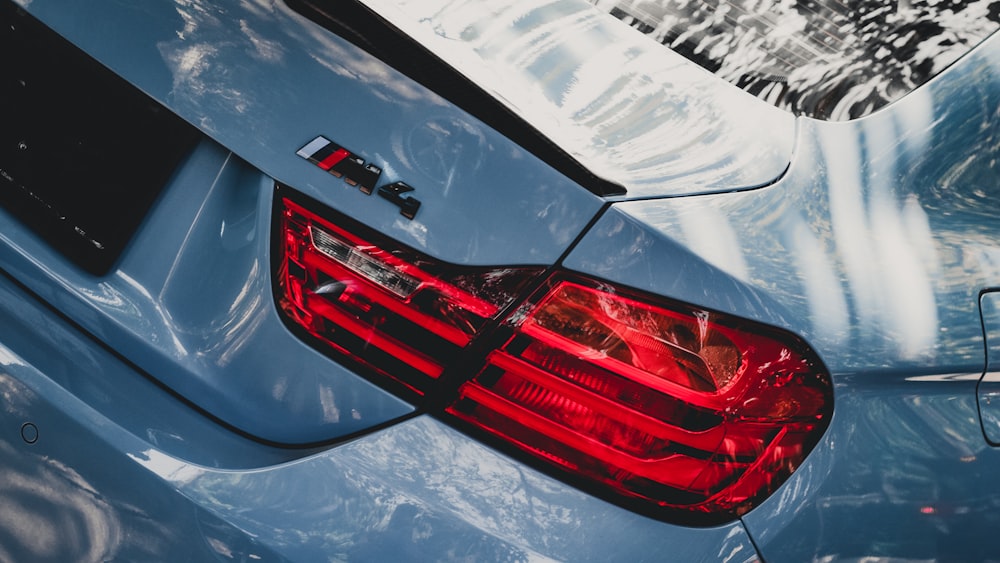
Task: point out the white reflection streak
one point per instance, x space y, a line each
711 236
885 244
327 399
823 292
916 118
165 324
280 388
848 218
908 293
264 49
8 358
168 468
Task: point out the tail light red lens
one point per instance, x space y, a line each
385 307
660 404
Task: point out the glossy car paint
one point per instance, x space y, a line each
207 234
637 113
212 236
875 247
826 59
121 468
272 82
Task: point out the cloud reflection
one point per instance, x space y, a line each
51 513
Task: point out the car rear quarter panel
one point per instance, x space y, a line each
875 247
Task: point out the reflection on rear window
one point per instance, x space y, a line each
822 58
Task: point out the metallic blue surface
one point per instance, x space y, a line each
875 247
123 471
262 81
77 493
190 303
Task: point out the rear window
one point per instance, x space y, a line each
820 58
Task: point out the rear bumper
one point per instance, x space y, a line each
123 470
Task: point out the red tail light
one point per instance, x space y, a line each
667 405
663 405
388 308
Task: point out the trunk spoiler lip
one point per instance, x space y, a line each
677 129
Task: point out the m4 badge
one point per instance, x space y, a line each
342 163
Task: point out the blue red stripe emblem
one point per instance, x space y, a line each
342 163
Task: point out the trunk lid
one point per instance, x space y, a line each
189 300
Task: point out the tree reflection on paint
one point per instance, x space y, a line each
828 59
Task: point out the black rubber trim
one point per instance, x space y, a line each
356 23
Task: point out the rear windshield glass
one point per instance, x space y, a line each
821 58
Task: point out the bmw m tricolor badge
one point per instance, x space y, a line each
342 163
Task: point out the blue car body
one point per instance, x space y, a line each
163 410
